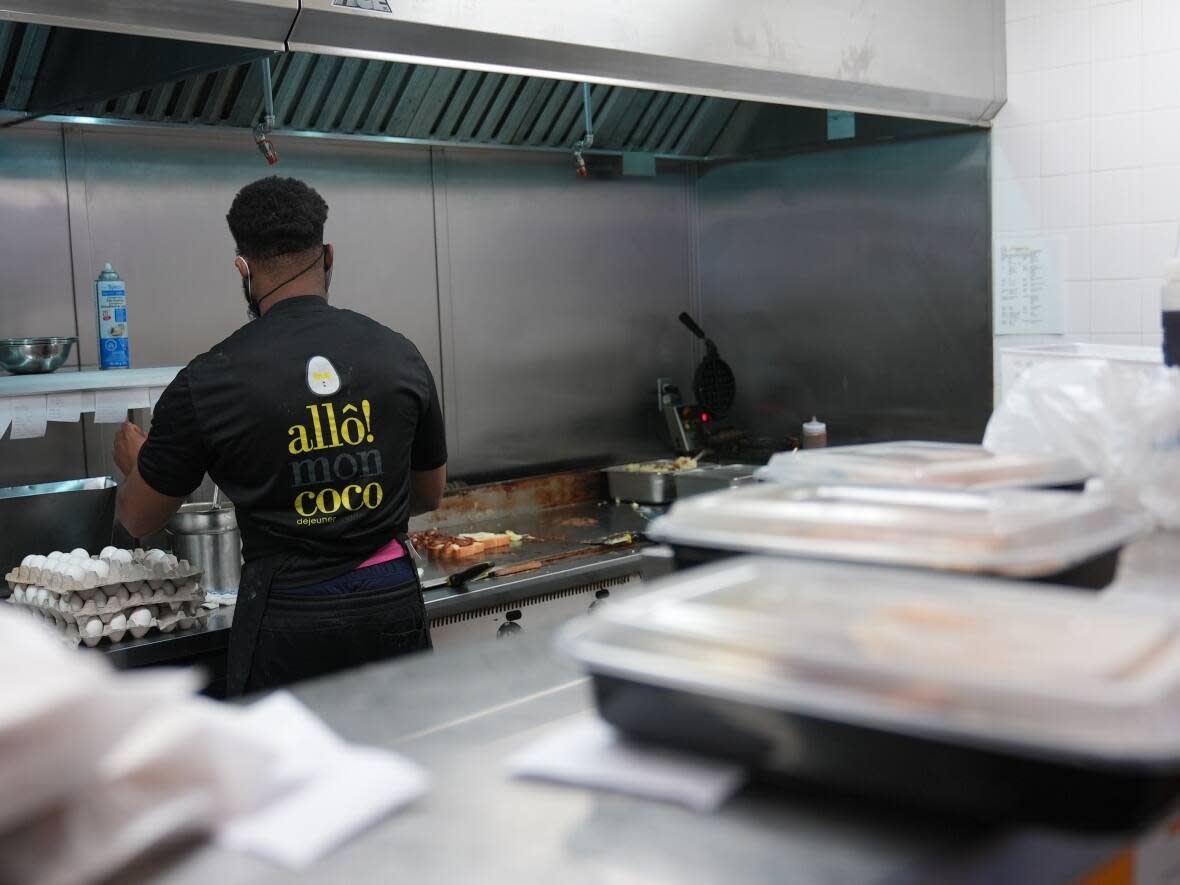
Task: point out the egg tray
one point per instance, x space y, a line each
84 603
119 573
119 627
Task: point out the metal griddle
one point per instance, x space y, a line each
553 538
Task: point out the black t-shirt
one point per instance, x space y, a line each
310 420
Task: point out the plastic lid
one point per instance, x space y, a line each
1016 533
925 464
955 657
106 268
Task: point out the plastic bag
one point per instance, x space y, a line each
1121 422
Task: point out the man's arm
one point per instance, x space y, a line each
140 508
428 455
426 489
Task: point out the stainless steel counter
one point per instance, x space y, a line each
463 714
555 530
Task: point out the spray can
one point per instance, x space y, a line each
114 347
1170 302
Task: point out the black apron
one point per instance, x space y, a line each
254 596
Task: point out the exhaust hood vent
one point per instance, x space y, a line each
344 96
509 73
65 71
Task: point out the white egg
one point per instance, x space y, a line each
75 573
39 562
18 593
168 587
43 597
155 554
156 584
28 560
102 569
78 551
121 556
92 628
108 552
172 561
77 603
122 594
118 622
100 599
141 617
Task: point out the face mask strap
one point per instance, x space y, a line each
255 304
248 290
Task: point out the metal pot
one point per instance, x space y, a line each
207 535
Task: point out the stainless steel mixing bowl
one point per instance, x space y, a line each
32 356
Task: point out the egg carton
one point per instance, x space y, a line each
121 626
112 600
77 570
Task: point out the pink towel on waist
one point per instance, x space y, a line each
388 553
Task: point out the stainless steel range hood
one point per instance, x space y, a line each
677 78
258 24
97 49
932 59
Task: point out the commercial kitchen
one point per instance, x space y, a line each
796 558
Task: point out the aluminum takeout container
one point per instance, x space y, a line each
648 482
925 464
714 478
1017 533
990 697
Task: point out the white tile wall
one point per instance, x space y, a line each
1088 149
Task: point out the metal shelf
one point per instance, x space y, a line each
69 381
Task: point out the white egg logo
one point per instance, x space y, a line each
322 379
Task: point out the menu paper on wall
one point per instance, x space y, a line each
28 417
66 407
1029 286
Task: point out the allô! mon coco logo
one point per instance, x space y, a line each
335 474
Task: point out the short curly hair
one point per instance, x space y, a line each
277 216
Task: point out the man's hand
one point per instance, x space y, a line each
128 441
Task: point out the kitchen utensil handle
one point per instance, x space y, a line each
509 570
692 326
460 579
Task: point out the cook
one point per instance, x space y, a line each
324 428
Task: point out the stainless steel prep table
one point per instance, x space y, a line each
463 715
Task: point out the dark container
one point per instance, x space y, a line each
55 516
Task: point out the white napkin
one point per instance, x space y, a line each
589 753
102 767
332 791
